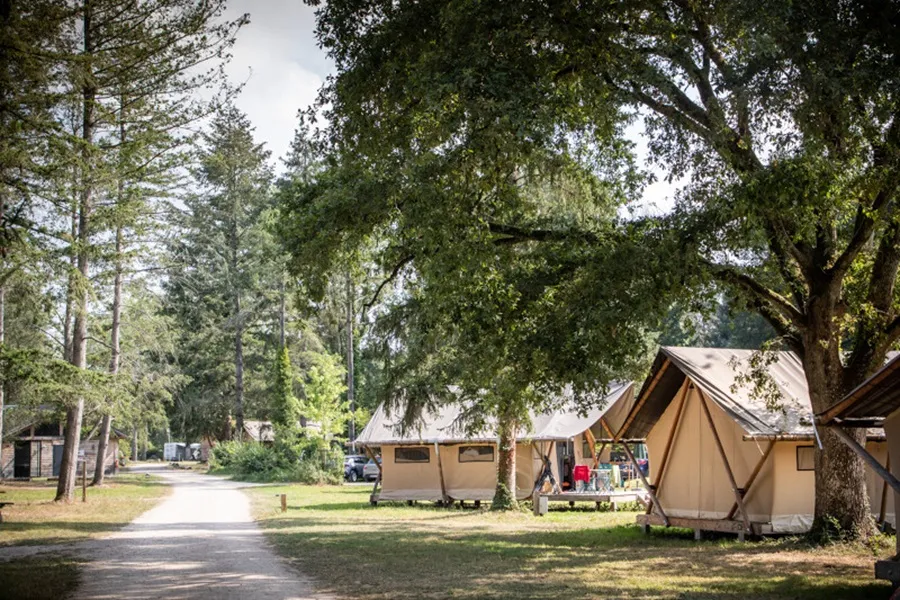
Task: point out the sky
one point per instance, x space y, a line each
282 68
280 65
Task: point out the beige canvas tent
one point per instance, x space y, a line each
439 461
875 403
725 454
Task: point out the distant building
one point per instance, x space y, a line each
35 450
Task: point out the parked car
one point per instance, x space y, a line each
353 467
371 470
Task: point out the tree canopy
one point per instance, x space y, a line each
781 117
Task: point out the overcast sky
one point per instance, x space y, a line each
282 68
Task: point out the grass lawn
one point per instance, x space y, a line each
395 551
36 519
58 576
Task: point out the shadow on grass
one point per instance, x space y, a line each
410 560
42 577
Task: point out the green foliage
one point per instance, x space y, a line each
286 409
307 461
323 404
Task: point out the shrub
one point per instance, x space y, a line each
300 460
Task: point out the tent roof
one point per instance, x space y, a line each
875 398
260 431
442 426
716 372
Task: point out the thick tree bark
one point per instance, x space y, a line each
505 494
842 501
65 490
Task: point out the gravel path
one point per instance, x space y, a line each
201 542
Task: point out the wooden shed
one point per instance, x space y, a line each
726 455
35 450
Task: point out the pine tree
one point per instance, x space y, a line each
223 279
153 54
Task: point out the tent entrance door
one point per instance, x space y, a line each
565 457
22 460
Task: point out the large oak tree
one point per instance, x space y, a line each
782 117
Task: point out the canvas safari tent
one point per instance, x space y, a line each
720 458
438 461
875 403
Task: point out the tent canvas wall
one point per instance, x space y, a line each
440 461
720 458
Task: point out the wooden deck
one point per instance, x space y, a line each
614 498
700 525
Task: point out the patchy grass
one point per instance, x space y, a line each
396 551
58 577
36 519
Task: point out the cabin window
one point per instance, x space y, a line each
412 455
476 454
806 458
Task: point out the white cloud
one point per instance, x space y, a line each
282 69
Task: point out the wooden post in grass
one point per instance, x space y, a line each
284 503
84 480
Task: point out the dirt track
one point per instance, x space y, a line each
201 542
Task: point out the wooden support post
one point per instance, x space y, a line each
698 535
738 496
664 462
868 458
647 485
437 454
84 480
882 512
592 441
374 458
640 403
745 491
284 503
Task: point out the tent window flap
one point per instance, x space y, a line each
476 454
806 458
412 455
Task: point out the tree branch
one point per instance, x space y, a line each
519 234
396 271
790 314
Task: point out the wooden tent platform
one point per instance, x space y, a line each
700 525
615 498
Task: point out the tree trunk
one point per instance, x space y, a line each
505 494
134 442
2 342
115 351
65 490
70 288
351 381
103 441
842 500
238 370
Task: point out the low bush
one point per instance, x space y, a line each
296 459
